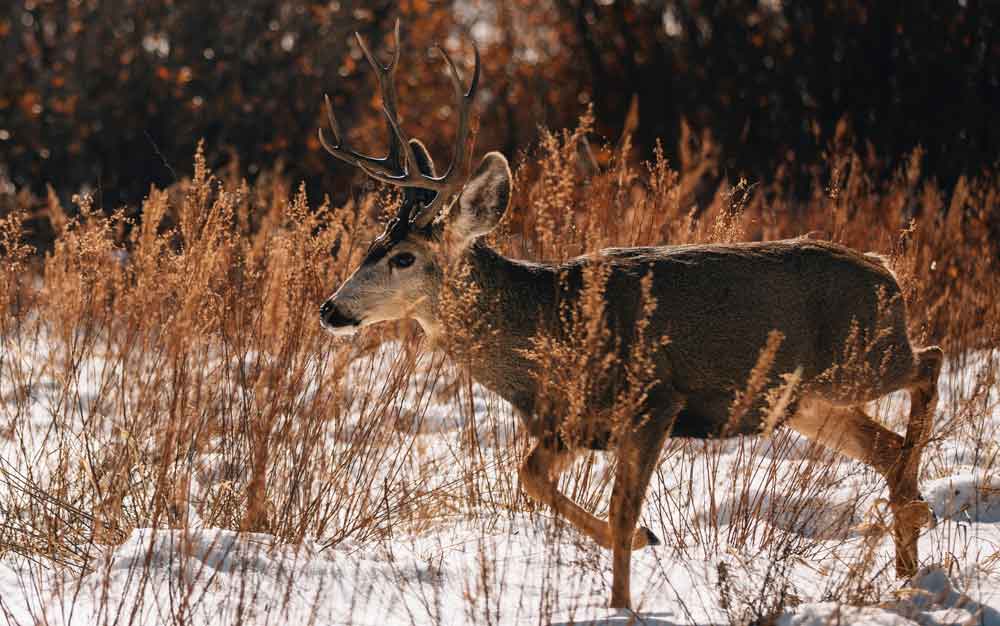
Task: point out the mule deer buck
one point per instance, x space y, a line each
717 303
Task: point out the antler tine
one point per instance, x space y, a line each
451 180
367 163
376 167
390 96
334 126
386 77
463 102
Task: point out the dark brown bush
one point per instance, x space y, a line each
113 96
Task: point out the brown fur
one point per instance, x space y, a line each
717 304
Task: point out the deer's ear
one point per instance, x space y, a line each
424 161
413 195
483 202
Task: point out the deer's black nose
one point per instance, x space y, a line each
332 317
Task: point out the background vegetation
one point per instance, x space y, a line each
169 332
113 96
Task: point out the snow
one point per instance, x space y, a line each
967 496
739 544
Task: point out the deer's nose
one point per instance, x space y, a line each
332 317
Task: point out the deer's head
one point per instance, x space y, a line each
440 216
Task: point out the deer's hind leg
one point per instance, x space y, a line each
909 510
850 431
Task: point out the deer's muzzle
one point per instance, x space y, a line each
334 320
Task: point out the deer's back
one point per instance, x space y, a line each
839 312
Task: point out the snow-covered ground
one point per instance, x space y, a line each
741 537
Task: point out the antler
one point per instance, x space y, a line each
407 174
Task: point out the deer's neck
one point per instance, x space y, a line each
495 309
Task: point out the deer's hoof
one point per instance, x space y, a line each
932 520
915 514
644 537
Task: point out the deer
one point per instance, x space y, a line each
716 303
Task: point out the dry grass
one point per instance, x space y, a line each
184 374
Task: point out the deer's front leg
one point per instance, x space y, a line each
539 472
638 454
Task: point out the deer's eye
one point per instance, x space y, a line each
401 260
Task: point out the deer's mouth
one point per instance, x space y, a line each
341 331
336 322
